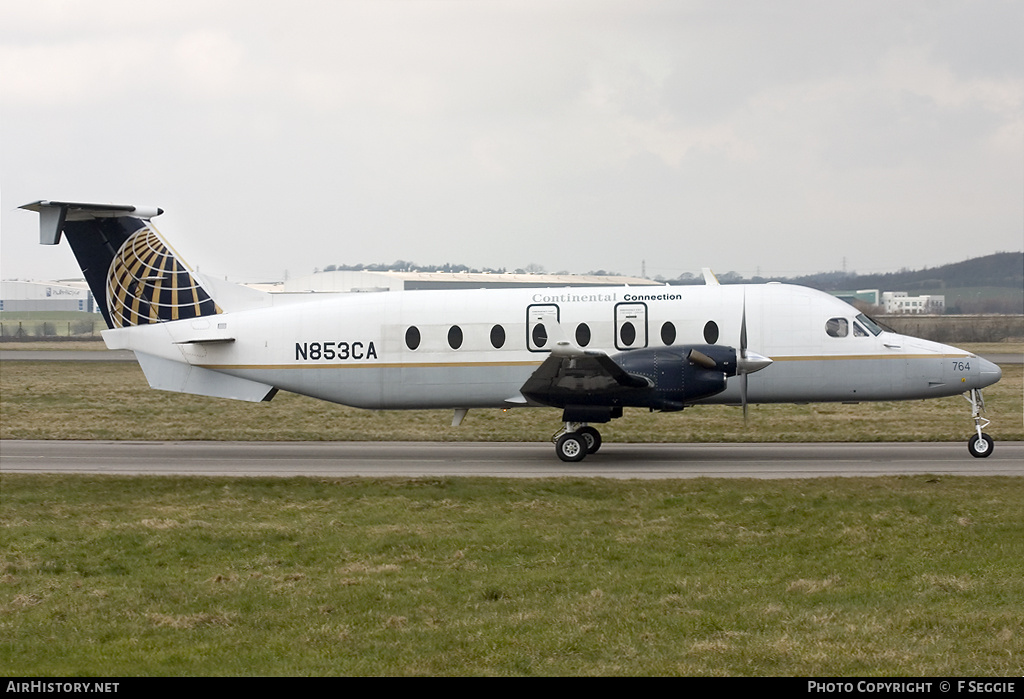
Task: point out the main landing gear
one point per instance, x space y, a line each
980 445
575 441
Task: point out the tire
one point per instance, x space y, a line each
980 447
591 437
571 447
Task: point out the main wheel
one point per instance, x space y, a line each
571 447
591 437
980 447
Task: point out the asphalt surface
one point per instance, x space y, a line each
504 460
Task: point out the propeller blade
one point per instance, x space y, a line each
743 328
742 363
743 397
748 362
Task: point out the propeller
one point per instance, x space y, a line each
748 361
741 364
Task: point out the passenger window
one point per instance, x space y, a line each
837 327
582 334
497 337
412 337
711 332
455 337
627 333
540 335
668 333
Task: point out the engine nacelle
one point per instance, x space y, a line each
680 374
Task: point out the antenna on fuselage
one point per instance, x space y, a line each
709 277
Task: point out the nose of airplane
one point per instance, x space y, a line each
989 373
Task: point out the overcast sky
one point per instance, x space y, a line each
777 137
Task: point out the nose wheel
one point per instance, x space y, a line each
980 445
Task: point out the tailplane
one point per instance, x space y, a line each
135 276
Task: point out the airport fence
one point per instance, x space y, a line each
25 330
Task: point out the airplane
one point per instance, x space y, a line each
588 351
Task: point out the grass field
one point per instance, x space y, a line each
205 576
153 576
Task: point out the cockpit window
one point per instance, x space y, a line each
837 327
858 331
869 324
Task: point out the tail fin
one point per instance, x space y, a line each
135 276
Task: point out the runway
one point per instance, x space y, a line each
504 460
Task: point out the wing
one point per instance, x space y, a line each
583 378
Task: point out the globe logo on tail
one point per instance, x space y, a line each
148 284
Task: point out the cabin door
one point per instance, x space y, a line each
540 322
630 326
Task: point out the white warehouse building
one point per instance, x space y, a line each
46 296
901 302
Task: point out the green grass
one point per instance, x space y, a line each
119 576
204 576
77 400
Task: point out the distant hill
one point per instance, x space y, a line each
1003 269
988 284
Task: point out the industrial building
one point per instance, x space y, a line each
896 302
343 280
46 296
901 302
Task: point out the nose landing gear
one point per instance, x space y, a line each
980 445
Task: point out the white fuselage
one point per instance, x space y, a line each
476 348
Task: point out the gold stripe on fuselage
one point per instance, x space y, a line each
861 357
364 365
437 365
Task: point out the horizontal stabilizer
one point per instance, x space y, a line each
54 214
167 375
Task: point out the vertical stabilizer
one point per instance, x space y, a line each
135 276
